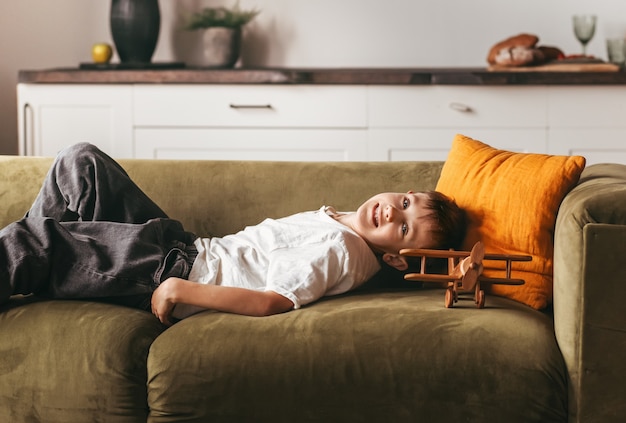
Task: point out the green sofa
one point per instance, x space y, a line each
389 351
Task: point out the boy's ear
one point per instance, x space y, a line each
396 261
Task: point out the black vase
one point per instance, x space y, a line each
135 28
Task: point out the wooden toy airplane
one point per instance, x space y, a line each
464 271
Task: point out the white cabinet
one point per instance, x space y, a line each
230 122
446 106
53 116
249 106
313 122
283 144
424 144
419 122
588 121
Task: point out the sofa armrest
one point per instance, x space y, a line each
589 287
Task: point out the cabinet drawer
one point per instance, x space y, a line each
458 106
587 106
597 145
252 144
250 106
434 143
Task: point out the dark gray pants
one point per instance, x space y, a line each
92 233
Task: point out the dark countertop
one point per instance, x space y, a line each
361 76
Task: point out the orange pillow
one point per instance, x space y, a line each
512 200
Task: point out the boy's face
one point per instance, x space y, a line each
390 222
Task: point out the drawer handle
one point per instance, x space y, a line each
460 107
251 106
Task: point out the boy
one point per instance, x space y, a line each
92 233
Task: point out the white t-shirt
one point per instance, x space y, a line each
303 257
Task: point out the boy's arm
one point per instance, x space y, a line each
221 298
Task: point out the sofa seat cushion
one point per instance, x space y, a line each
366 356
74 361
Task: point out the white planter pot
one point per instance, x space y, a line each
220 47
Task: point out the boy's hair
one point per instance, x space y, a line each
450 221
448 232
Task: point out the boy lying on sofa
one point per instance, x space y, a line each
92 233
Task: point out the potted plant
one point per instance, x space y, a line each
222 33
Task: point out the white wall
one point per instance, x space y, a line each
39 34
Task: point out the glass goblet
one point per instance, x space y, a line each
584 28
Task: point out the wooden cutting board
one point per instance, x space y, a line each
560 67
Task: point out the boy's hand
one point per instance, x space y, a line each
163 300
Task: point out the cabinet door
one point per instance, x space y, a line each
588 121
251 144
410 144
597 145
419 123
54 116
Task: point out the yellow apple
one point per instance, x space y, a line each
101 53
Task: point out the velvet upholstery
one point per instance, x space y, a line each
589 287
219 198
387 352
74 361
369 356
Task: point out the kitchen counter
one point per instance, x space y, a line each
322 114
329 76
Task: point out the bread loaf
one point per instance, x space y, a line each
521 50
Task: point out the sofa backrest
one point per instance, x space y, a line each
20 180
214 198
